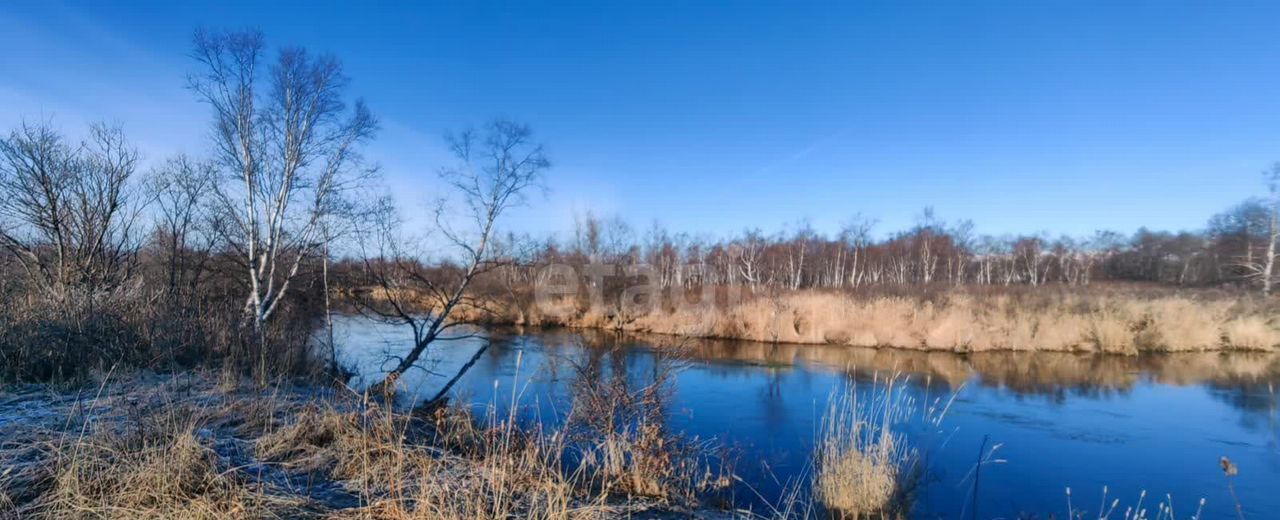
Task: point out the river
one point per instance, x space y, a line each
1158 424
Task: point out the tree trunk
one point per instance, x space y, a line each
1268 264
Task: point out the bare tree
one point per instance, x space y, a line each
748 254
1264 268
1235 234
289 147
181 188
1030 252
67 213
587 236
926 232
796 249
857 234
961 251
498 165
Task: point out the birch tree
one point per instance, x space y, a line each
748 252
1264 269
857 234
288 148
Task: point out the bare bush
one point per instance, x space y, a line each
68 212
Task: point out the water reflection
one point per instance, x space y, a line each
1247 380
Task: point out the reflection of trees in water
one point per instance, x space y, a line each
1256 400
1024 373
1244 381
772 400
1056 376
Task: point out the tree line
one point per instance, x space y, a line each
1237 247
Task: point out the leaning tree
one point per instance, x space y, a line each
497 166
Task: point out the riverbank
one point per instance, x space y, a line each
194 446
1058 320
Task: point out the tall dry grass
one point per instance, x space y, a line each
1063 321
153 465
474 472
173 476
620 440
864 468
860 467
231 454
613 454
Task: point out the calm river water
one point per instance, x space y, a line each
1153 423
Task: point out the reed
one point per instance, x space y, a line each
1112 322
864 466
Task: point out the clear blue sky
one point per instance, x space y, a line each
1021 115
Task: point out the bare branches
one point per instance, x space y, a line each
68 213
1264 269
497 166
289 147
186 225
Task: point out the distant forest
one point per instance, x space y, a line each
1237 247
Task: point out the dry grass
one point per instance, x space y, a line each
1062 321
1111 333
500 473
450 464
172 478
649 462
365 449
1251 332
446 466
157 466
1182 325
138 455
864 469
618 433
858 482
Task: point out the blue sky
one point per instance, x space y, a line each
712 117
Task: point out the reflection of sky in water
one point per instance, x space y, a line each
1153 423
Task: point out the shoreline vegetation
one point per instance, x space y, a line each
1104 321
194 447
